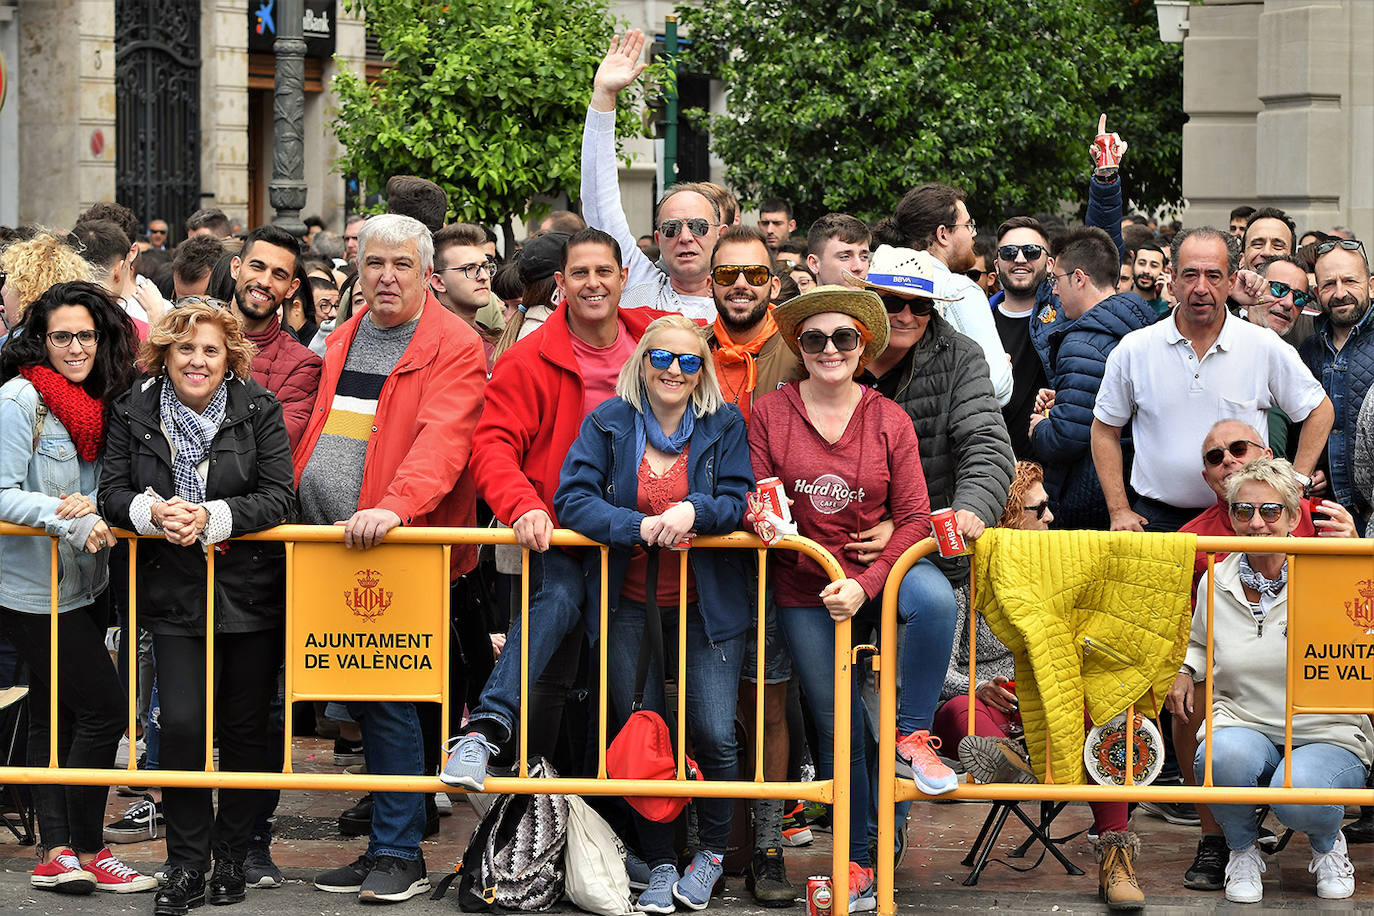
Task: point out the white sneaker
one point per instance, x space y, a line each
1243 883
1334 871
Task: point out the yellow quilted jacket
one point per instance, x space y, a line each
1091 616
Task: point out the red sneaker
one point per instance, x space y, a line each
63 874
114 876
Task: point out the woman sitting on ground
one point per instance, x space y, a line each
665 460
72 354
198 454
1249 664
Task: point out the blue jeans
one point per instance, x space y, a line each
811 638
926 605
712 685
392 745
1245 757
557 592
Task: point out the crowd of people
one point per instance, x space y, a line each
1113 376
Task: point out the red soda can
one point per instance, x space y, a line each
775 499
818 894
946 532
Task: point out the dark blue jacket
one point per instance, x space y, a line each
1346 375
1075 357
598 492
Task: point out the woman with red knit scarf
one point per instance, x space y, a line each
60 367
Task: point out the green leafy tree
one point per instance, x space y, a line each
487 98
847 110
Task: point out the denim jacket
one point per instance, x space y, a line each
30 480
598 495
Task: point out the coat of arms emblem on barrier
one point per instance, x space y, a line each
1361 610
368 599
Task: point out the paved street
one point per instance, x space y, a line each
929 879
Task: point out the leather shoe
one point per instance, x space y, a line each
185 889
357 821
227 883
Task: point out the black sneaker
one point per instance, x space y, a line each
1360 830
1208 871
185 889
227 884
258 868
1174 812
767 879
139 823
357 821
347 879
347 753
393 879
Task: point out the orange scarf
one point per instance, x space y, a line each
735 361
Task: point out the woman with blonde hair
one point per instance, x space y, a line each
198 453
666 460
30 267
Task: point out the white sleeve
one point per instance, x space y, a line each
601 204
219 522
141 513
972 316
1292 385
1115 397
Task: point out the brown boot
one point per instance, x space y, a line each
1116 882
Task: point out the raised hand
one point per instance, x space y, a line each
1106 149
619 68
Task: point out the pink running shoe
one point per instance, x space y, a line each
916 760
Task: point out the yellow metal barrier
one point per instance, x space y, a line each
1334 586
309 569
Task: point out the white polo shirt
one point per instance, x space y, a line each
1156 382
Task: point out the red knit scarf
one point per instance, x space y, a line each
81 414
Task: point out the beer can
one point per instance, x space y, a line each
774 498
818 893
945 530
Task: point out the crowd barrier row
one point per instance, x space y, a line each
342 644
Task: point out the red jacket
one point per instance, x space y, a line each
289 371
533 415
417 458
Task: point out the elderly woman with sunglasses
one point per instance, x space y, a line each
665 460
69 357
1249 666
849 459
199 453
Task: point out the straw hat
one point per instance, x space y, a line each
903 270
863 306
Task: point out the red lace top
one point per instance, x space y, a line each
657 493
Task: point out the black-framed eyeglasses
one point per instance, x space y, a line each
813 341
1039 509
1029 252
87 337
754 274
671 227
1278 289
1270 512
1238 449
895 303
487 267
1347 244
1056 278
689 363
211 301
976 275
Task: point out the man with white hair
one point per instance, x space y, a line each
388 445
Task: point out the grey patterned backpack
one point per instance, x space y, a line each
514 860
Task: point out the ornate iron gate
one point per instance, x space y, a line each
157 101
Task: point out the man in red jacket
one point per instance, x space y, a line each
388 445
539 393
264 278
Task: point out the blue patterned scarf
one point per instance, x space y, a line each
648 431
191 434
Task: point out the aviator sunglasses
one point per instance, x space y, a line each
1279 289
689 363
754 274
671 227
1243 512
1214 456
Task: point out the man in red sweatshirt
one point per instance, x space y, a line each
540 391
